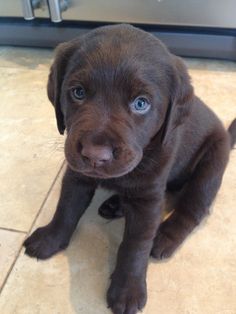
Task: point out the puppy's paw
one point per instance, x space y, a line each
45 242
126 296
164 246
111 208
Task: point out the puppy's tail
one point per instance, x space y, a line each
232 133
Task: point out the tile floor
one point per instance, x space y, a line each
199 279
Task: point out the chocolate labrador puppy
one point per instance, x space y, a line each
133 126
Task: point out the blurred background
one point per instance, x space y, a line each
210 24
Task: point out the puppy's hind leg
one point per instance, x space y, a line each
193 204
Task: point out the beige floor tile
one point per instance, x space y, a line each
10 243
74 281
25 58
31 151
214 82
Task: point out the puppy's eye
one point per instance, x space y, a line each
140 105
78 92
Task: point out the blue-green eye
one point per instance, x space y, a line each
78 92
140 105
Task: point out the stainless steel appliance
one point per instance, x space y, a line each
202 28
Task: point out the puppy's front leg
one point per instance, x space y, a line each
127 292
74 199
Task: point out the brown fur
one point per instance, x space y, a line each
177 150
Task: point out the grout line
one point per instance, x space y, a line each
10 269
12 230
46 197
31 227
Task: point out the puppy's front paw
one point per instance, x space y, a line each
44 242
126 296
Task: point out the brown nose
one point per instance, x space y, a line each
97 155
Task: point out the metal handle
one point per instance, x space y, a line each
28 7
55 8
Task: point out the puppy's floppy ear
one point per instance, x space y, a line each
180 100
55 80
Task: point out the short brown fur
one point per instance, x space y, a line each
176 151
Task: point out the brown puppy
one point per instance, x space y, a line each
134 126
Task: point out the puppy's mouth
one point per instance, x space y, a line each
115 169
102 174
100 161
96 174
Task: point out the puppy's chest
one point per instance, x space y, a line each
122 184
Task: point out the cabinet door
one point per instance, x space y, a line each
206 13
14 8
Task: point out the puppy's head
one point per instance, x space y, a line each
114 90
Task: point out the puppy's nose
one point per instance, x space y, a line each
97 155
